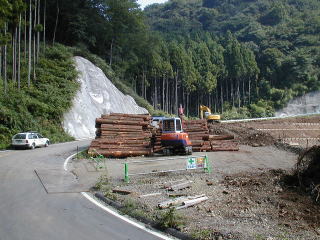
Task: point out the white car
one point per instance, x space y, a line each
29 140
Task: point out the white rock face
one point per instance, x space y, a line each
307 104
97 96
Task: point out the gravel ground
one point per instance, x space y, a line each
247 199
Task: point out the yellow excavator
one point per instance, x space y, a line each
205 112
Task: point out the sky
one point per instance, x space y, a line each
144 3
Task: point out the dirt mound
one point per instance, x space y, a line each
308 171
245 135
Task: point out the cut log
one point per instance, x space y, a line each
121 122
150 195
225 149
192 202
142 116
218 137
172 202
177 201
116 127
124 148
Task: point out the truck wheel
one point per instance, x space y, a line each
33 146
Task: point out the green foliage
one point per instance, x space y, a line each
235 113
170 219
199 51
261 109
41 107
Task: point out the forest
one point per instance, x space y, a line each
242 58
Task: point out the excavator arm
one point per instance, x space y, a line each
210 117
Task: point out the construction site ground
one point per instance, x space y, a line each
246 195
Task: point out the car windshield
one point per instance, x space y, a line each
20 136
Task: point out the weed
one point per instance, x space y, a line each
83 155
202 234
132 209
170 219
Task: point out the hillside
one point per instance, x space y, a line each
284 37
41 106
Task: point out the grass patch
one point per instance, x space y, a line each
203 234
170 219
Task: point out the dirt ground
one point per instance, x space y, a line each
298 131
247 197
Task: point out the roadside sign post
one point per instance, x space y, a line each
126 173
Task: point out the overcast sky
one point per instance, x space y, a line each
144 3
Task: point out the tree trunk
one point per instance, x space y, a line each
19 53
5 63
44 25
232 93
243 93
176 93
249 90
111 52
25 35
30 39
38 33
34 40
162 102
187 104
13 56
56 24
221 96
142 83
238 93
155 94
1 49
167 95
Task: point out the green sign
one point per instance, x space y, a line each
196 163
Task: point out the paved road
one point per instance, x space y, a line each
28 212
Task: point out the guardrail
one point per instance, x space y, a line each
191 163
268 118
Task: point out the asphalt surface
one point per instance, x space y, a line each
27 211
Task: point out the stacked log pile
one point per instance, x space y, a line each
156 141
197 130
122 135
203 142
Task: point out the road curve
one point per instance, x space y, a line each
28 212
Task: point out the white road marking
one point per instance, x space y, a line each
67 160
105 208
288 129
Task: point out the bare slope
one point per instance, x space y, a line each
307 104
97 96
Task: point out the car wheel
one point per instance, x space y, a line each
47 144
33 146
